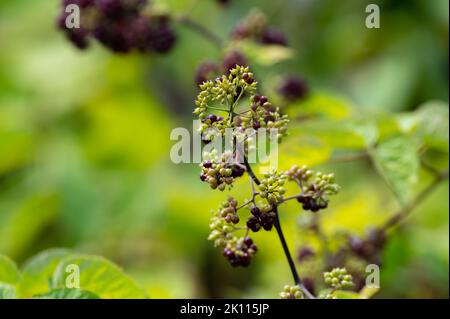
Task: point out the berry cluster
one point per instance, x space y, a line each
369 248
262 216
240 252
224 91
338 278
316 188
293 88
223 221
255 27
291 292
221 171
271 187
119 25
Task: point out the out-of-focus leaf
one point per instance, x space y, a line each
321 104
8 271
7 291
335 134
99 276
38 271
266 54
343 294
368 292
397 161
21 228
66 293
433 125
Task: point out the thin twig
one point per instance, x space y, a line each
404 213
277 224
201 30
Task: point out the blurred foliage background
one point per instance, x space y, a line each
84 143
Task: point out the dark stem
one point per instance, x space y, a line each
201 30
250 171
277 224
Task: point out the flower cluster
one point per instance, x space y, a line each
316 187
263 114
224 90
338 278
221 171
291 292
271 187
119 25
238 250
255 27
222 222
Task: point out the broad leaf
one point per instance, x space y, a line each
7 291
9 273
397 161
38 272
99 276
433 125
66 293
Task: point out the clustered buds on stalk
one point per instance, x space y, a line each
338 278
221 170
255 27
120 25
316 187
292 292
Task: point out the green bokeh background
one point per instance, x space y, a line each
84 143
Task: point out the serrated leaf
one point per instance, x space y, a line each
66 293
99 276
7 291
9 273
397 161
38 272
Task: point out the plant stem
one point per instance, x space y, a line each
201 30
404 213
277 224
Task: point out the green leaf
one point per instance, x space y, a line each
433 125
7 291
344 294
397 161
66 293
323 104
368 292
9 273
38 272
266 54
99 276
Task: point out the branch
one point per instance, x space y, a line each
201 30
404 213
277 224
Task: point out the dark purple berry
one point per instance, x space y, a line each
273 36
293 88
205 72
305 253
255 211
232 59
